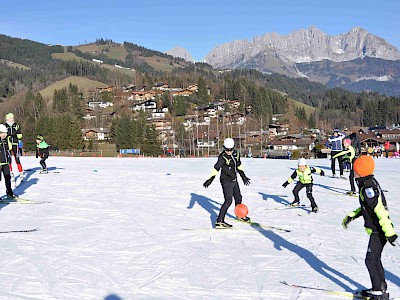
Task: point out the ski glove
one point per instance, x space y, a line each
246 180
322 173
392 239
207 183
350 217
285 184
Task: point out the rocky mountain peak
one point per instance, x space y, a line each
305 45
181 53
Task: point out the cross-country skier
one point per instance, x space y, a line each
229 164
377 223
5 159
348 155
334 142
305 180
14 132
42 151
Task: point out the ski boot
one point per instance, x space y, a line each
351 193
11 195
43 171
374 295
22 176
295 203
315 209
222 225
245 219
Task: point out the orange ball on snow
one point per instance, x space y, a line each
241 210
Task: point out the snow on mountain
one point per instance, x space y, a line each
180 52
307 45
115 229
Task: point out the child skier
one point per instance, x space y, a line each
229 163
377 223
42 151
305 180
14 132
5 159
348 155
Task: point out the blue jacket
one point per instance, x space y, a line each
335 142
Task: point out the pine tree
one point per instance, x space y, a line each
76 138
202 93
123 136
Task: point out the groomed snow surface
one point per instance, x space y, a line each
114 230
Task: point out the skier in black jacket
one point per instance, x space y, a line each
373 208
5 159
229 163
14 132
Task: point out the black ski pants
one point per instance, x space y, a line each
231 190
333 167
308 187
43 160
373 260
5 169
351 176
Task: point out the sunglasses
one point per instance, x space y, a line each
228 149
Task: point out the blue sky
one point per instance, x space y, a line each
197 26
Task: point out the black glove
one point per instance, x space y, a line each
322 173
207 183
392 239
346 221
246 180
285 184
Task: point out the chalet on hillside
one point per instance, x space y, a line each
142 96
98 134
162 86
279 129
233 118
145 105
303 145
251 138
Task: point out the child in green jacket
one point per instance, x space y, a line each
42 151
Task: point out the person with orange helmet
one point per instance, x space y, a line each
377 223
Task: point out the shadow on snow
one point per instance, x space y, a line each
209 205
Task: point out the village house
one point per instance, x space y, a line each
145 105
98 134
142 96
162 86
280 147
233 118
196 121
101 104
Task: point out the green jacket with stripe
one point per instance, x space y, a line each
373 207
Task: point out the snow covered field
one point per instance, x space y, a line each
114 231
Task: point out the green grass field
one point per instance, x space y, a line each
15 65
83 84
309 109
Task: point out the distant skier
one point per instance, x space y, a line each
229 163
377 223
14 132
42 151
335 144
348 155
305 180
5 159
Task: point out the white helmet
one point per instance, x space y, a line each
302 162
3 128
229 143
